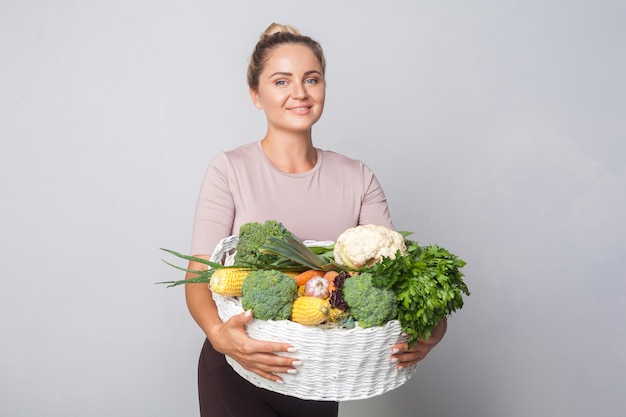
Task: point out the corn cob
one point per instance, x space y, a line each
337 314
310 311
228 281
301 290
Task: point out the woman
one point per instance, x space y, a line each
316 194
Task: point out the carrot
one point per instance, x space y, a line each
303 277
330 277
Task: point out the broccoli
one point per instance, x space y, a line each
269 293
369 305
254 235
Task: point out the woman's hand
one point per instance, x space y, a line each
230 338
405 357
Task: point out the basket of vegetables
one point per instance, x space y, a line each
342 305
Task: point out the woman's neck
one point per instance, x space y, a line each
290 153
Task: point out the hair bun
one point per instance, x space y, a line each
278 28
274 36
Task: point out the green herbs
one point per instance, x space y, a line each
429 284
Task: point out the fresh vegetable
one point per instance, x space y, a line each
337 315
364 245
252 236
429 285
301 290
292 252
228 281
347 322
426 281
269 294
316 287
304 276
330 277
369 305
310 311
336 295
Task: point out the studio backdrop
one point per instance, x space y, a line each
496 128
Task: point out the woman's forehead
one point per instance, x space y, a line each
292 58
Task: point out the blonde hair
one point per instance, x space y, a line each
277 28
274 36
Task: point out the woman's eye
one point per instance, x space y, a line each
281 82
311 81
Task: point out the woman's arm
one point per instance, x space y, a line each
374 208
213 220
200 302
230 338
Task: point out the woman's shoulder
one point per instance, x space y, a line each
240 154
339 160
244 151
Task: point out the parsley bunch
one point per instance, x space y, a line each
429 284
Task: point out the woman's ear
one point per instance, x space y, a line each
256 100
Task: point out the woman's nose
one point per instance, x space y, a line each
299 91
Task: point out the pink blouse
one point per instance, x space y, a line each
242 186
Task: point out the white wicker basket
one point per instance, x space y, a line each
338 364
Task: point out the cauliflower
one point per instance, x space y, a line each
363 246
369 305
269 294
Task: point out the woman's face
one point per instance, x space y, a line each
291 89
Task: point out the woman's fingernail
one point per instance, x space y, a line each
296 363
279 381
291 349
396 350
248 313
394 360
292 371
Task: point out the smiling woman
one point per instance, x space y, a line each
291 91
274 179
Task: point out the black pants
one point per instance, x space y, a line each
223 393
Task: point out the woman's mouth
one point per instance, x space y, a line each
300 109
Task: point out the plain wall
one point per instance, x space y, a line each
497 128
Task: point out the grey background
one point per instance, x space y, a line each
497 129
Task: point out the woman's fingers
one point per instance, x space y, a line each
269 365
258 356
405 357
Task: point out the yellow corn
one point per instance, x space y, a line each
310 311
337 314
301 290
228 281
